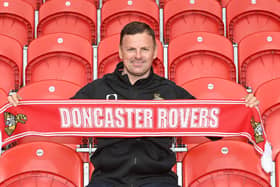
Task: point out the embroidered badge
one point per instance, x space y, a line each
11 121
157 97
258 130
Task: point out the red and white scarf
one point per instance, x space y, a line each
134 118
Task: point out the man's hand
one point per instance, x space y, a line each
251 101
14 99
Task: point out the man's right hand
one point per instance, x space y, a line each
14 99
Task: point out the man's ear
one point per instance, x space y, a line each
120 52
155 52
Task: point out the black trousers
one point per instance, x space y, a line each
145 185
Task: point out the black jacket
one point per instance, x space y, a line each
133 161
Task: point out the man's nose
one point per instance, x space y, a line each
138 54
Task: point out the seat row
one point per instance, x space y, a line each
62 56
219 163
80 17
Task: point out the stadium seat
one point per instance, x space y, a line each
17 20
269 96
95 2
200 54
115 14
3 97
108 56
250 16
10 63
213 88
183 16
49 89
40 164
71 16
60 56
224 163
259 56
35 3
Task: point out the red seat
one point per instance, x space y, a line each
35 3
247 17
41 164
224 163
200 54
60 56
215 88
115 14
183 16
49 89
95 2
17 20
259 56
3 97
269 96
75 17
108 56
10 63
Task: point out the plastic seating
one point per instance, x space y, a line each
95 2
259 56
183 16
108 56
224 163
71 16
60 56
40 163
17 20
116 14
49 89
10 63
215 88
3 97
250 16
200 54
269 96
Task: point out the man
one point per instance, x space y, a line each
134 162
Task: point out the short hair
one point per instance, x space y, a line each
136 27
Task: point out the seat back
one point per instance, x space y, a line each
224 163
269 96
60 56
74 17
200 54
116 14
10 63
183 16
17 20
41 163
259 56
249 16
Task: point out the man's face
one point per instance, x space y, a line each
137 53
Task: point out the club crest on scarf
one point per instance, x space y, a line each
258 130
12 120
